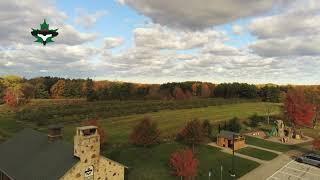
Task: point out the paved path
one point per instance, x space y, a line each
229 151
267 169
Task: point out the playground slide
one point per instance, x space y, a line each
272 132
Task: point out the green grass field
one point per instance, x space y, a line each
257 153
271 145
153 163
171 121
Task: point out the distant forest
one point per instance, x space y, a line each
15 87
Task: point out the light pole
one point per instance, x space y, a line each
232 173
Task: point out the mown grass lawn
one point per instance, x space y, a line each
171 121
271 145
257 153
152 163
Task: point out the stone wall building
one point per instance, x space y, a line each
31 155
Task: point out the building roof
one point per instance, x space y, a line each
30 156
228 134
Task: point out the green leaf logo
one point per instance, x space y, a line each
44 35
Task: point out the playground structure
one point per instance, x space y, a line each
282 133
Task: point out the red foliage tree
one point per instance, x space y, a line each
184 164
10 98
316 144
145 133
298 110
94 122
192 133
179 94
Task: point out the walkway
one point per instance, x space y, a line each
229 151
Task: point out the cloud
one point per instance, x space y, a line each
291 46
61 59
69 55
295 32
88 20
159 37
151 60
199 14
237 29
18 17
112 42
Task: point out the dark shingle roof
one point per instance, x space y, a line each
29 156
228 134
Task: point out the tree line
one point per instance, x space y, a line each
15 90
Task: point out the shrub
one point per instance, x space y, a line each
101 132
191 134
183 163
146 133
234 125
254 120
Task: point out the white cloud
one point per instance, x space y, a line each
112 42
199 14
237 29
295 32
88 20
159 37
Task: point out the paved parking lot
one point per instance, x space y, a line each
294 171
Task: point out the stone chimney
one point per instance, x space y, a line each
87 144
54 133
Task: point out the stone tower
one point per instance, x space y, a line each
87 146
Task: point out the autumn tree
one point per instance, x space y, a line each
191 134
57 90
312 94
145 133
205 90
184 164
316 144
40 91
10 98
28 90
297 109
179 94
94 122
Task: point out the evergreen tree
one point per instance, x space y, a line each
90 91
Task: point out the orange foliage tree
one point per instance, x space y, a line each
94 122
298 110
184 164
205 90
146 133
57 90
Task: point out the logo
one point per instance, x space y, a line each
44 35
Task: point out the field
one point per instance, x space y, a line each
149 164
171 121
257 153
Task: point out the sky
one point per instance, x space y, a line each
265 41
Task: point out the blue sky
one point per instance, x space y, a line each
265 41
